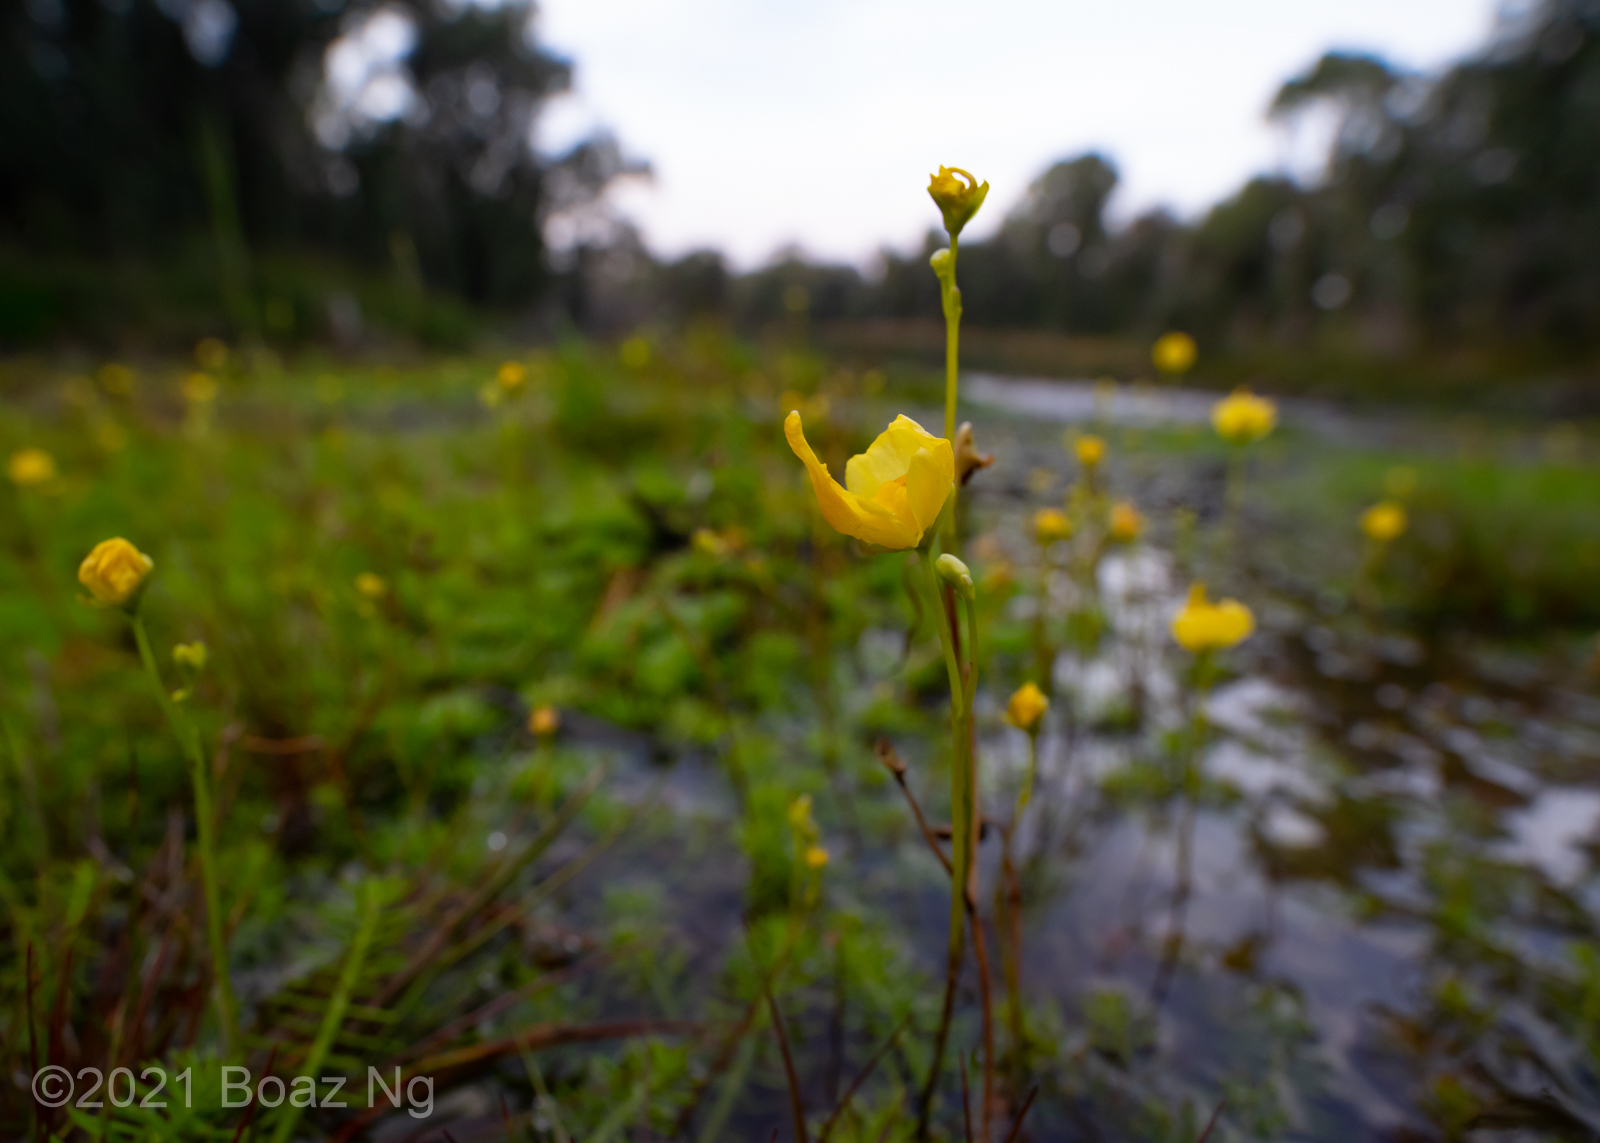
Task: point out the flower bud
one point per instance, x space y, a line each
1027 707
958 201
1384 521
192 655
1242 417
957 575
1126 523
114 572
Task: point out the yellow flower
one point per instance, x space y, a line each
1174 353
816 857
211 353
371 586
956 200
1050 525
191 655
1242 417
1091 450
114 571
1384 521
31 466
200 388
116 379
1126 523
544 721
511 376
1027 707
1203 625
893 492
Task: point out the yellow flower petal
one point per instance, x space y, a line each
895 489
844 511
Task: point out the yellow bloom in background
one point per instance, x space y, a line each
1384 521
1174 353
958 201
1242 417
1204 626
199 388
635 352
1027 707
192 655
1091 450
1050 525
816 857
800 812
892 493
371 586
30 467
1126 523
211 353
511 376
544 721
114 571
115 379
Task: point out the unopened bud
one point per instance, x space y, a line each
957 575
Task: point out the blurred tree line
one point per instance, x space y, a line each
393 135
1461 208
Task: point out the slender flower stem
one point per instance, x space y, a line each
952 344
961 821
205 828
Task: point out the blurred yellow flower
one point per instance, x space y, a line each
1174 353
1400 481
635 352
816 857
211 353
544 721
800 812
1204 626
114 571
1027 707
115 379
511 376
199 388
1126 523
893 492
1091 450
31 466
1384 521
191 655
958 201
1242 417
1050 525
371 586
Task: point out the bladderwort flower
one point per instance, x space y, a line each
1174 353
199 388
31 467
372 586
191 655
816 857
892 493
1242 418
511 376
958 199
114 572
1027 707
1090 449
1384 522
1051 525
1126 523
1203 626
544 721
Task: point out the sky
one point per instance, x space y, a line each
817 122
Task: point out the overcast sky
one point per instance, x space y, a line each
817 121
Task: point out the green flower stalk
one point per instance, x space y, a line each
116 574
958 199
